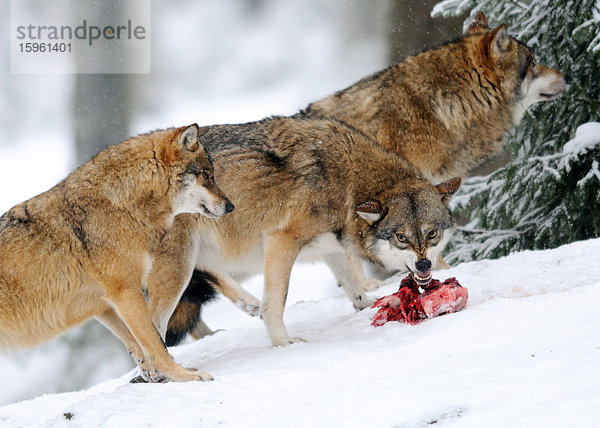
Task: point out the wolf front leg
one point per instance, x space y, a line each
351 278
366 284
281 250
172 269
130 305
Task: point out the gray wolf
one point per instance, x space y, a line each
85 247
448 109
303 189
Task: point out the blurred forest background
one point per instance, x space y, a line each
223 61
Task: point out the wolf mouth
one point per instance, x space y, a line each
421 278
549 97
206 212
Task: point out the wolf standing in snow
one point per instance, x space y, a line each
85 247
303 188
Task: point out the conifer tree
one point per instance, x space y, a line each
549 194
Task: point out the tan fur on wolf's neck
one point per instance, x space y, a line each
140 186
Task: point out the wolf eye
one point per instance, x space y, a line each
401 238
206 173
433 233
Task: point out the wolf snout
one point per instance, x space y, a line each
221 208
423 265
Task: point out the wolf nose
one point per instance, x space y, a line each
567 78
229 207
423 265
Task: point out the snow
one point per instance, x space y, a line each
586 137
594 172
524 352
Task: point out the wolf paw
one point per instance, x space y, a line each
252 308
363 302
138 379
146 377
185 375
371 284
203 376
153 376
285 341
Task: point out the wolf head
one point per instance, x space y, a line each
521 75
196 190
410 226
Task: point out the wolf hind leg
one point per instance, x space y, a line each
229 287
201 289
111 321
348 274
201 330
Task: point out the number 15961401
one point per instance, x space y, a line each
45 47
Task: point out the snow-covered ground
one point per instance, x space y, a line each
524 352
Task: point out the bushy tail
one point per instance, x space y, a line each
186 316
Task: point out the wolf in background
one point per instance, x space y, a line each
85 247
448 109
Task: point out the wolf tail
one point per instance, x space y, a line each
187 314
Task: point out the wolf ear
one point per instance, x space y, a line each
371 211
479 25
188 139
448 188
500 42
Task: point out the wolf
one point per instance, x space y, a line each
447 110
85 247
304 189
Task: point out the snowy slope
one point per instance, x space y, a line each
525 352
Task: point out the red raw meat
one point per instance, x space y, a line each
411 306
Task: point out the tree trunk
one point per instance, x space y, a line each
412 29
101 102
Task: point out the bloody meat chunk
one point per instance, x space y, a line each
410 305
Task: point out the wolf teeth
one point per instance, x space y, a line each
418 278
